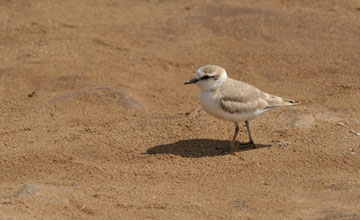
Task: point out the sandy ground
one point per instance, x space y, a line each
97 124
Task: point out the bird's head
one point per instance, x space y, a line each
208 77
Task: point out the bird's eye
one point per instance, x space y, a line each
207 77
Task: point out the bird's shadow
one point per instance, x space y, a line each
201 148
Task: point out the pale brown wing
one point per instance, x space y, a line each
241 107
240 97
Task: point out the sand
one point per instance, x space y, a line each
97 124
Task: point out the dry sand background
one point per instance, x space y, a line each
97 124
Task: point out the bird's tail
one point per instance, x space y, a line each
276 101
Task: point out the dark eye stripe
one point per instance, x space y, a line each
207 77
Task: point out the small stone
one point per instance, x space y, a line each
32 94
281 144
354 132
341 123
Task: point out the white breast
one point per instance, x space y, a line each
211 105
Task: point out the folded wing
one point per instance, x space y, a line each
240 97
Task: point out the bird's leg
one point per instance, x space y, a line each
251 141
235 135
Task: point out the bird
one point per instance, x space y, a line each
233 100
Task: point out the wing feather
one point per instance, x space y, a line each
240 97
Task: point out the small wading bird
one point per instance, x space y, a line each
233 100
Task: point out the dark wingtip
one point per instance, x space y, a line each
292 101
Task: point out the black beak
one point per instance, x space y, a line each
191 81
